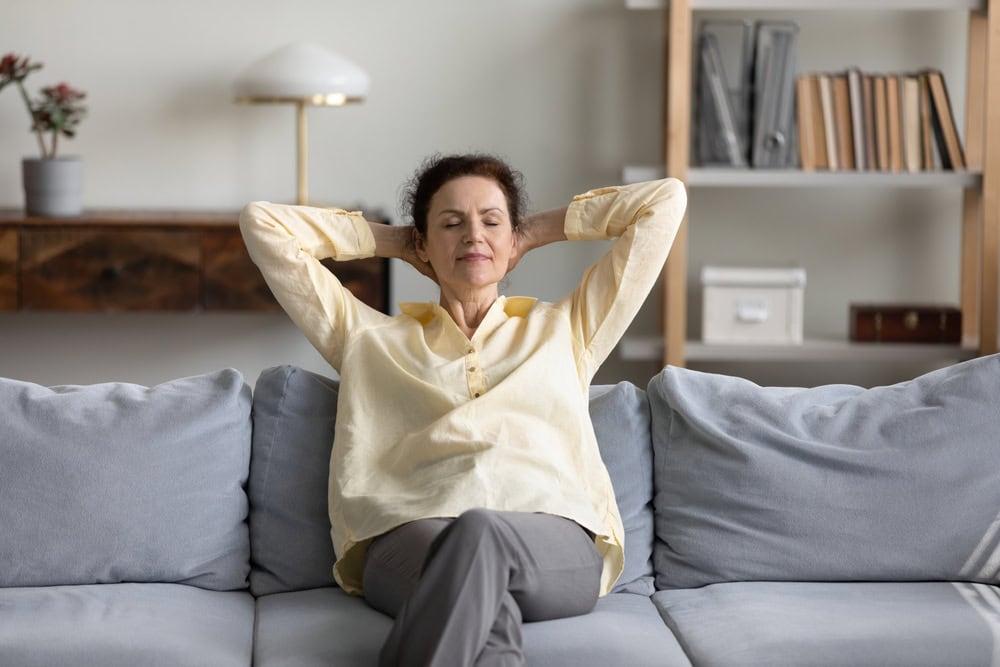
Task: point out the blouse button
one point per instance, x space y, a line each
476 395
472 369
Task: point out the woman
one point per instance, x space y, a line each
467 492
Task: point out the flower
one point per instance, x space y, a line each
57 111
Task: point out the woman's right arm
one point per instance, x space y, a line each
287 243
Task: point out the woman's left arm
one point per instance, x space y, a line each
643 218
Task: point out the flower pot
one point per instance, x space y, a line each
53 187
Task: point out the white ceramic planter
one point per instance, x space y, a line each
53 187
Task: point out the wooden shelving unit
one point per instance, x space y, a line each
980 185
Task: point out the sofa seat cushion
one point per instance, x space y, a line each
624 629
112 625
326 626
831 483
836 624
117 482
321 627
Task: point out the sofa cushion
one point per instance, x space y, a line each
294 413
833 483
118 482
623 629
295 629
123 625
322 626
621 421
294 417
835 624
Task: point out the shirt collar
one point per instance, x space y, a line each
425 311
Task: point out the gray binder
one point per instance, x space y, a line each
723 113
774 135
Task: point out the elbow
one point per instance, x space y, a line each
252 214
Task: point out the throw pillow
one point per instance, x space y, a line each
832 483
118 482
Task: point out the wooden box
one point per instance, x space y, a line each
906 323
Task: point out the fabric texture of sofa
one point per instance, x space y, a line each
186 524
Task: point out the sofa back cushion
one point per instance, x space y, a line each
122 483
621 421
833 483
294 417
294 414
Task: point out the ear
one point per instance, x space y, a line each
419 246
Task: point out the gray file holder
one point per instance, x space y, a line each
774 135
723 113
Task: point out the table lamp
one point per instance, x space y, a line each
305 75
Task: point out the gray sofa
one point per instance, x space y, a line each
186 524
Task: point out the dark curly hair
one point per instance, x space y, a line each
439 169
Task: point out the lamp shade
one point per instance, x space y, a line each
303 71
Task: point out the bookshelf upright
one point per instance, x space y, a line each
979 183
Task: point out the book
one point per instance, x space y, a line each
926 132
881 123
868 107
943 122
804 116
893 123
812 134
842 118
825 84
855 95
909 103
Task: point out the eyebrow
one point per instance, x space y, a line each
455 211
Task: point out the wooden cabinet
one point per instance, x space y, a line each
979 217
8 268
146 261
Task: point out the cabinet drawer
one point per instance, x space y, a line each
8 268
368 279
109 269
232 281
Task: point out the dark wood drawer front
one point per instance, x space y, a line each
8 268
109 269
368 279
232 280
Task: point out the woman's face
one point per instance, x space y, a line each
470 237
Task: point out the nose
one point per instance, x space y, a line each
474 231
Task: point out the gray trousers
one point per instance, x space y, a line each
459 588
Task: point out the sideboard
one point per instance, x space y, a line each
108 261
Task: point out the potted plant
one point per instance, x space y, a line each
53 184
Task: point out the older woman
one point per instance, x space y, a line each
467 492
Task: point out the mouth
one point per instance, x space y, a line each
473 257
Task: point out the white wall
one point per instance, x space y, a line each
568 90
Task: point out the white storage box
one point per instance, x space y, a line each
752 305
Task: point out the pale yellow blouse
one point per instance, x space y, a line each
431 423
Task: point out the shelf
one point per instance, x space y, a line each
799 5
722 177
650 348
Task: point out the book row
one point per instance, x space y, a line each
852 120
